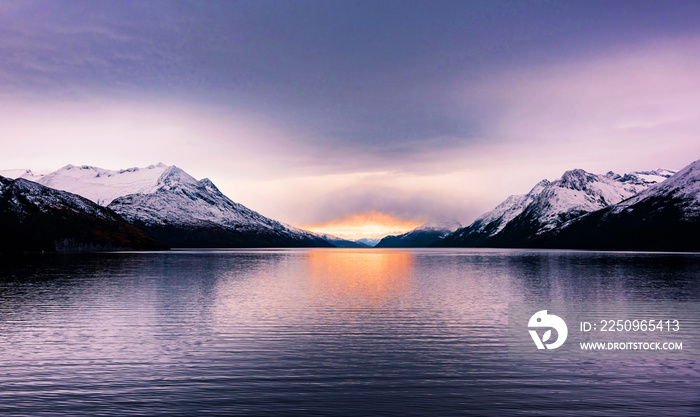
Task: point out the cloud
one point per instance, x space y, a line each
627 110
624 111
632 107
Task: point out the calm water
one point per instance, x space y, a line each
322 332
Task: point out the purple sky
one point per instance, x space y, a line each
310 111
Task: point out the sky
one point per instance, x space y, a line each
334 114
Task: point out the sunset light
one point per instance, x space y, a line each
359 278
367 225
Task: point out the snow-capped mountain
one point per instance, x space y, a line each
421 236
103 185
38 218
665 216
176 208
548 205
682 187
180 211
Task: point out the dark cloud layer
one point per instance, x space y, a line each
368 77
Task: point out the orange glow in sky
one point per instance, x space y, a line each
369 224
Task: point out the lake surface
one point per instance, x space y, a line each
323 332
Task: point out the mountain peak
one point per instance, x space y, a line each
534 191
577 179
184 212
173 176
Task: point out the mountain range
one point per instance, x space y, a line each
88 208
521 219
176 209
663 217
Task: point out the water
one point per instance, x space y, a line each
323 332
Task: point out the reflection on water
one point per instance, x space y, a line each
364 277
322 332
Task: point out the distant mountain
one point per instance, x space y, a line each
36 218
419 237
522 218
664 217
343 243
19 173
369 241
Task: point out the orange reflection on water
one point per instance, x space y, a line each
360 276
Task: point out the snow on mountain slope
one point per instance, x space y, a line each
551 204
175 207
664 217
103 185
181 211
684 187
642 178
575 193
177 197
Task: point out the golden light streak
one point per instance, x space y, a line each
370 224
